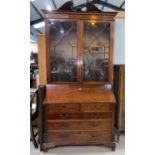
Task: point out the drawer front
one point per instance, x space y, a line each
96 107
62 108
79 137
80 125
99 115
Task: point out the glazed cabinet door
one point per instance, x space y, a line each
79 51
62 50
96 51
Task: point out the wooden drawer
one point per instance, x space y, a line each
96 107
61 108
80 124
91 115
79 137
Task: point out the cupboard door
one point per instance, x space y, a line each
96 49
63 51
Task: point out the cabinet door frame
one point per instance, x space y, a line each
110 65
49 55
80 23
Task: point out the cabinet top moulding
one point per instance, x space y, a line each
80 15
67 10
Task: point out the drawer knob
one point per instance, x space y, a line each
79 89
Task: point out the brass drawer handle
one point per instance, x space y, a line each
97 107
93 115
63 115
64 107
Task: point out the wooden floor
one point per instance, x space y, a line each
83 150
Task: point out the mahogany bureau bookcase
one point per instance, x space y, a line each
76 107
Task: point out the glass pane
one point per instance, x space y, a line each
96 51
63 47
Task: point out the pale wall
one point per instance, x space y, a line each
119 42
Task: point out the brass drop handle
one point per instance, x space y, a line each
93 115
64 107
63 115
97 106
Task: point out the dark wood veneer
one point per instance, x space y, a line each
83 122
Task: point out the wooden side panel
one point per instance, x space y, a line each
42 59
119 91
122 97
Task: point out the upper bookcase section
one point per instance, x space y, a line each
79 45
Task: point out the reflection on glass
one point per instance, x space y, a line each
63 51
96 51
